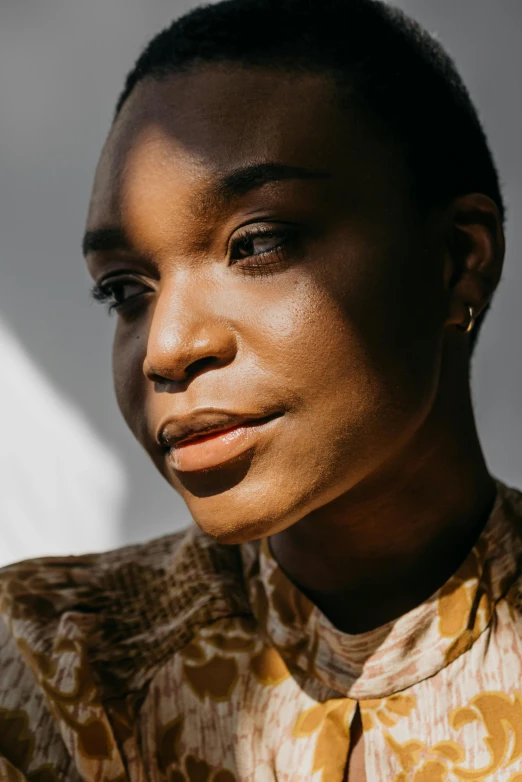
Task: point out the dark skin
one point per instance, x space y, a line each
347 317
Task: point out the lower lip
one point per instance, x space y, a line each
215 449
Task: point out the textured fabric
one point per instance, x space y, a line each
183 660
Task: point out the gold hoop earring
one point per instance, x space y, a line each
471 322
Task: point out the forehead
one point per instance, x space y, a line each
191 127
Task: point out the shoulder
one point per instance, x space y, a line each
504 565
124 611
507 515
41 591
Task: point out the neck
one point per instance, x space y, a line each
390 542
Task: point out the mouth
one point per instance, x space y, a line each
221 444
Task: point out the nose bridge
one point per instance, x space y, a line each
186 332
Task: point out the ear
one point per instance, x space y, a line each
476 246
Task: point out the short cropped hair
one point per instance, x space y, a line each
381 59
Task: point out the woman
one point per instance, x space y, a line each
298 221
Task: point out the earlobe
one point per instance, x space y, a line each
476 249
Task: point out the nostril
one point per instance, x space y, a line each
201 364
193 369
159 380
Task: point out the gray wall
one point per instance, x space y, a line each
62 64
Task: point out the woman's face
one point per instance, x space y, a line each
268 263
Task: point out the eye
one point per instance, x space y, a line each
118 291
264 244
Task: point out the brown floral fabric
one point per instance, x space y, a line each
181 660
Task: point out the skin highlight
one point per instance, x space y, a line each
325 298
371 483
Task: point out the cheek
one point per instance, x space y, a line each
391 300
130 385
352 335
359 351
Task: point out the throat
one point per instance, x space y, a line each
363 581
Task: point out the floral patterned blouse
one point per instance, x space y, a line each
183 660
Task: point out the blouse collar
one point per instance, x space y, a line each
405 651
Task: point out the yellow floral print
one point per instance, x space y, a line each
184 660
268 667
386 710
501 718
331 722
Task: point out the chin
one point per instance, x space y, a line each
239 516
239 503
233 505
252 498
231 528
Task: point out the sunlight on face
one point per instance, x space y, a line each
243 287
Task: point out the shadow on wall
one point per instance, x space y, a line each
62 488
62 65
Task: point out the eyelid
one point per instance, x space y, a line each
262 229
101 289
118 275
121 278
260 226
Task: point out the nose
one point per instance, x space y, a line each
186 337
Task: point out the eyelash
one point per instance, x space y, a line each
104 291
279 250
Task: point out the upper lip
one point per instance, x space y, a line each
174 431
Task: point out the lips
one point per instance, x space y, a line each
211 437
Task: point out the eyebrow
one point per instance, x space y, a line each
241 180
104 240
225 188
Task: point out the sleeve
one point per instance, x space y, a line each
31 747
53 724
